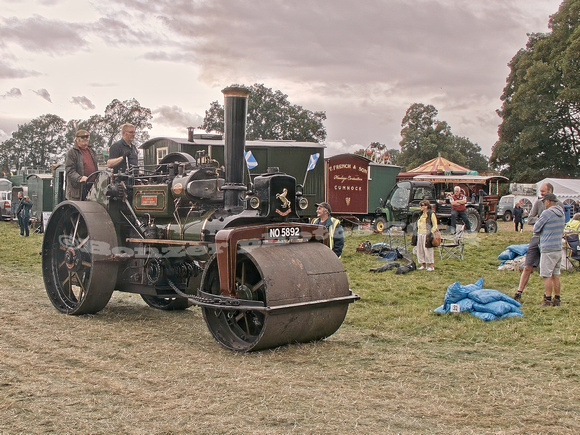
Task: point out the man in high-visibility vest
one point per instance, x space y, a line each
333 226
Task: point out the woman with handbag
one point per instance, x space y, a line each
426 229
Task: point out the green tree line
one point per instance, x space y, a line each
539 134
424 137
45 140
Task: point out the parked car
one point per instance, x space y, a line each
6 205
505 208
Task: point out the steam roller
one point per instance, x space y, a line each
190 232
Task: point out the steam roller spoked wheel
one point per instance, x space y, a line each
79 275
296 274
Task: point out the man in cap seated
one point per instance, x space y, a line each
80 162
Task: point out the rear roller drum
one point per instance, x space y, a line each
79 275
279 275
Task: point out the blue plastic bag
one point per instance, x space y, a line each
456 292
497 308
484 316
519 250
506 255
485 296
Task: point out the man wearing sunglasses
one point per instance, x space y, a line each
80 162
123 154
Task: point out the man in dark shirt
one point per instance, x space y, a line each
123 154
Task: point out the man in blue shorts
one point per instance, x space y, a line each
550 227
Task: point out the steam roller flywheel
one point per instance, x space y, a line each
295 282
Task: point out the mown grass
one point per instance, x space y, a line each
22 253
394 367
399 307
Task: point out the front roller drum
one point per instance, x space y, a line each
79 274
303 286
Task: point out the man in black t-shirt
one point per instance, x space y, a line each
123 154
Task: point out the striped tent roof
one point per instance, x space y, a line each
438 165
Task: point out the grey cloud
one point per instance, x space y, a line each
333 41
40 34
9 72
12 93
173 116
116 31
83 102
44 94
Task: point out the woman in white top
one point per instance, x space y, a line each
426 226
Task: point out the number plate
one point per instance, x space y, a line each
283 233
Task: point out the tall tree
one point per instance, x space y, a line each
106 129
540 131
271 116
424 137
37 144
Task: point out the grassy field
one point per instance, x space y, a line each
393 367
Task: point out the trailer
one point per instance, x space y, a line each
356 186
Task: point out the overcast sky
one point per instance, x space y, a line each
363 62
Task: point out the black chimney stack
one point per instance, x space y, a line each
235 111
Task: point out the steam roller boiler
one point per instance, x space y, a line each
189 231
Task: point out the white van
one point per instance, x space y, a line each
6 205
505 207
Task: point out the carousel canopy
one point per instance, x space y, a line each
437 166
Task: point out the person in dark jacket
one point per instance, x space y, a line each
80 162
23 214
518 216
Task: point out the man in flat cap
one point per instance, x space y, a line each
333 226
80 162
550 227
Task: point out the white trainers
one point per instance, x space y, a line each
421 268
430 269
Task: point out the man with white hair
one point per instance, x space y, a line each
458 209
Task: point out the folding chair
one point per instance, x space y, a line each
395 238
572 250
453 247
